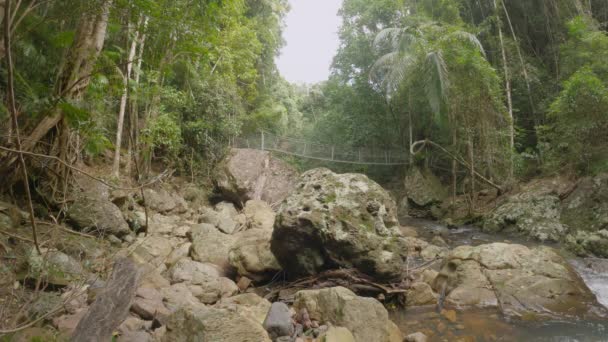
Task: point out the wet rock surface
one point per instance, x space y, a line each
522 282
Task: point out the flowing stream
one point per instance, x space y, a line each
489 325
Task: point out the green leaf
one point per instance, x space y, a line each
73 114
63 39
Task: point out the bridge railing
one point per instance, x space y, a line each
333 153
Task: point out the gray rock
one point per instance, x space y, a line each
528 213
251 174
222 220
98 216
338 220
160 200
211 246
203 280
66 324
585 212
259 215
207 324
416 337
249 305
179 296
420 294
517 280
54 267
132 324
284 339
186 270
338 334
423 188
135 336
586 243
366 318
178 253
278 321
148 304
43 304
251 256
153 250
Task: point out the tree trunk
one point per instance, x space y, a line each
75 74
123 100
472 173
508 90
134 108
411 127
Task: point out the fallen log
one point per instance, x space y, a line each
111 307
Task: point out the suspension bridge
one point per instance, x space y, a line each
330 153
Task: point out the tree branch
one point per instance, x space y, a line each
423 143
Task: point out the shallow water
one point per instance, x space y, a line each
490 325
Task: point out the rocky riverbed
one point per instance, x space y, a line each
250 269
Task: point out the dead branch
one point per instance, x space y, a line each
423 143
67 230
14 236
156 179
350 278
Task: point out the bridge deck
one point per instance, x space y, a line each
329 153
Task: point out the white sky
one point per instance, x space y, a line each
311 39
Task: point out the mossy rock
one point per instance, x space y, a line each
338 220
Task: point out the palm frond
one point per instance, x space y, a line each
437 83
387 35
468 37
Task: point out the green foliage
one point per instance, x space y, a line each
576 136
164 135
586 46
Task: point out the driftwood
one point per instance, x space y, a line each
353 280
111 306
349 278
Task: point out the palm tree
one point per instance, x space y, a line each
417 52
410 52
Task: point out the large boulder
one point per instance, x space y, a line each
528 213
366 318
252 174
520 281
251 255
423 190
54 267
163 201
585 212
343 220
205 324
212 246
94 214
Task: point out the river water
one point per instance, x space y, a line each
490 325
